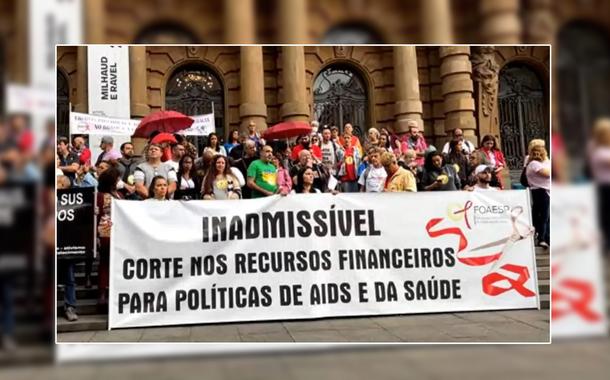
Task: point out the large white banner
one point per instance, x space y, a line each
312 256
51 22
202 126
578 292
82 123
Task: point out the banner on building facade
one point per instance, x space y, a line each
281 258
76 222
202 126
82 123
578 293
51 22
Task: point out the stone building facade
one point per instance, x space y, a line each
443 88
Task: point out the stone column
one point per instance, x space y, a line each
294 89
485 74
95 17
239 22
252 88
436 97
82 104
423 74
292 22
138 91
457 88
539 23
436 25
406 88
501 23
20 69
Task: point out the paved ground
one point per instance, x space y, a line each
573 360
496 326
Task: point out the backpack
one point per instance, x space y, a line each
523 178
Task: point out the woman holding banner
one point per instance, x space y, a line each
158 189
304 184
220 182
189 182
214 145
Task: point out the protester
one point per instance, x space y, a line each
334 133
158 189
372 179
253 135
494 157
107 147
373 139
220 183
153 167
212 144
459 159
599 158
539 179
68 161
305 144
315 140
284 181
439 176
304 183
232 141
348 171
398 178
127 163
332 153
63 182
178 151
320 173
467 147
384 142
262 174
483 174
107 190
188 183
242 164
414 140
80 148
83 177
348 136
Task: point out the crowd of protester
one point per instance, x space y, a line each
246 167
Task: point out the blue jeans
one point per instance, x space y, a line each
66 276
6 306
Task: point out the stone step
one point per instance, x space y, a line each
81 292
545 301
94 322
544 286
83 307
544 273
542 261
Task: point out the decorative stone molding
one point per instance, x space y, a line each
485 70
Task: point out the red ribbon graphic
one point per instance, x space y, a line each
491 279
580 305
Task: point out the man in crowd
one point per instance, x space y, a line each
262 174
106 145
334 133
414 140
348 134
320 174
178 151
398 179
80 148
248 157
372 179
483 174
146 171
254 135
332 153
306 145
68 161
127 163
83 177
458 135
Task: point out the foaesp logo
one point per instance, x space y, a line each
472 213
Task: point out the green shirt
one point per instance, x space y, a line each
265 176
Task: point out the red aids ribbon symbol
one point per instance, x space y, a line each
467 206
491 279
580 305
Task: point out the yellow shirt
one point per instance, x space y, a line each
401 180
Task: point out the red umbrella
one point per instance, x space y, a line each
162 121
164 137
287 130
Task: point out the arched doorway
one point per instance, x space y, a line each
196 90
523 112
166 33
63 105
583 83
345 34
340 97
